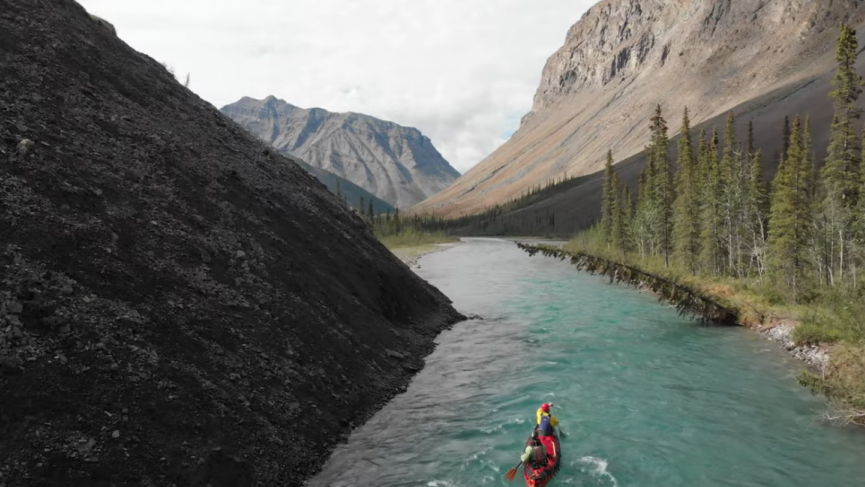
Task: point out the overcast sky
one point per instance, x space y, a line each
462 71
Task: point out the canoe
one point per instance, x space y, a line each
543 475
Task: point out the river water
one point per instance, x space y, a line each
646 398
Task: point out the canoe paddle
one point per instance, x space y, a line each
512 473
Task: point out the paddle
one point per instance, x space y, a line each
512 473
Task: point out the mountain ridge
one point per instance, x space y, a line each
576 204
397 164
624 57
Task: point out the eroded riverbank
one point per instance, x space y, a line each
693 300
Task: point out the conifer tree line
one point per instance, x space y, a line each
510 217
715 215
494 220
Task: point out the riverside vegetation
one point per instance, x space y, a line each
397 232
791 250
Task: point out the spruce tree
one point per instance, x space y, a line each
786 137
628 220
686 222
663 191
641 226
858 233
814 182
841 173
791 217
617 234
731 195
712 220
700 175
757 204
362 209
751 149
700 188
608 197
338 189
370 213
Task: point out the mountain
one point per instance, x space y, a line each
179 304
576 203
624 57
397 164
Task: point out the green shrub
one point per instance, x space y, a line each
104 24
835 315
843 382
813 332
412 237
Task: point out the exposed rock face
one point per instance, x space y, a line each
624 57
179 305
398 164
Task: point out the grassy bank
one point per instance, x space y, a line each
412 237
410 244
831 318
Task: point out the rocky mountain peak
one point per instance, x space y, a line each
398 164
619 40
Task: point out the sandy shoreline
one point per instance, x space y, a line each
411 255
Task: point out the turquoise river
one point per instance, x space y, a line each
647 398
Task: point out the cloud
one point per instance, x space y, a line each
461 71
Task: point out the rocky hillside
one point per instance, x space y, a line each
179 305
625 56
575 205
397 164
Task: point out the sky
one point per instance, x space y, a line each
462 71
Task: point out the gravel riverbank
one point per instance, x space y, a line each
410 255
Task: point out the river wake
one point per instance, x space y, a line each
598 469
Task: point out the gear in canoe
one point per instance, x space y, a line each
540 470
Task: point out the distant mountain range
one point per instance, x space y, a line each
396 164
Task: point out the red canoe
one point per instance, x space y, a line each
542 476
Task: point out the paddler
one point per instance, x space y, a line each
546 420
535 455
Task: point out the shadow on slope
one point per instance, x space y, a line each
179 305
350 191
